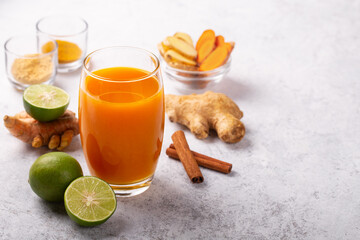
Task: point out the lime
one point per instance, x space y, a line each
52 173
89 201
45 102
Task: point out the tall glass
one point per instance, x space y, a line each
121 117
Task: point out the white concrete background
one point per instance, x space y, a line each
295 75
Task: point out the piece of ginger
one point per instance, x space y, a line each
201 112
55 134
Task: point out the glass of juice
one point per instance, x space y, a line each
121 117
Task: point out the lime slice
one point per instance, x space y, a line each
45 102
89 201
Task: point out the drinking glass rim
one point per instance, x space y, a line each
151 74
22 56
60 35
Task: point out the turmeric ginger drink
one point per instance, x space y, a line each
121 118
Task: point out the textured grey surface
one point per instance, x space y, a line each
295 74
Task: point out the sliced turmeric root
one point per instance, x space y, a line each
219 40
205 49
230 46
215 59
205 36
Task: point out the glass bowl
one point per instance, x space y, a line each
25 62
70 32
195 81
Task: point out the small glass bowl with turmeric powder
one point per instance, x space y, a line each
70 33
25 62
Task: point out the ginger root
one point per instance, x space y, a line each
55 134
201 112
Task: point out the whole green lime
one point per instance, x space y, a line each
52 173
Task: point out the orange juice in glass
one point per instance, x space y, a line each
121 117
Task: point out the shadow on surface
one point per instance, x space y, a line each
244 143
56 208
111 228
74 146
162 203
234 89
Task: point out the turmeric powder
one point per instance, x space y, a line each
33 68
67 51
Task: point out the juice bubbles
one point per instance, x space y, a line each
121 117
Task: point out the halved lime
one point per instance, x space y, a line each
89 201
45 102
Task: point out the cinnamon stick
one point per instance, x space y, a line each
203 160
186 157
